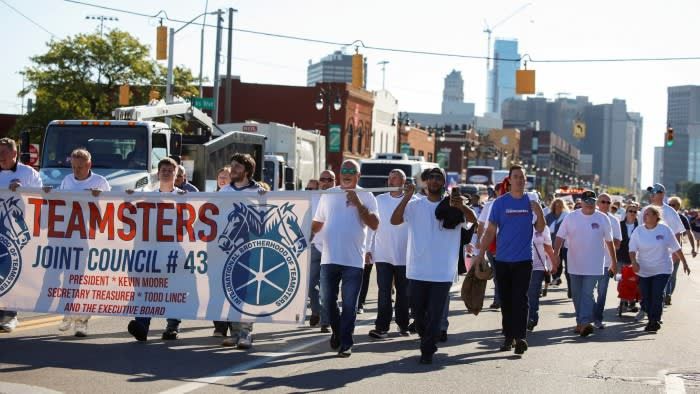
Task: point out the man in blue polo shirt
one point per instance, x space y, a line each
512 218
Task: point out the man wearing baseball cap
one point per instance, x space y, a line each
657 197
588 233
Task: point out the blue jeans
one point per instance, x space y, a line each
582 294
533 295
671 285
428 303
388 275
146 321
343 324
599 306
315 285
652 289
496 296
444 322
6 316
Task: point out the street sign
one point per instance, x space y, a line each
33 155
203 102
406 148
579 130
334 138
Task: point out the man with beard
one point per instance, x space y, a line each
432 254
344 217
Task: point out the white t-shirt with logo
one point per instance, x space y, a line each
586 235
94 181
390 241
616 233
669 216
540 259
25 175
433 251
344 232
654 248
317 241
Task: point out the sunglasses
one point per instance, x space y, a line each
326 179
604 202
634 212
348 171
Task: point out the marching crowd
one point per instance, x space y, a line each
420 240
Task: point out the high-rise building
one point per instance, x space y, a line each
658 164
681 161
502 75
453 96
336 67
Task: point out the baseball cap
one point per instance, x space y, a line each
437 170
589 197
657 188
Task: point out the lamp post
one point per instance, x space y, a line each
328 98
463 169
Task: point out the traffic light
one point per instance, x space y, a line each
669 136
161 43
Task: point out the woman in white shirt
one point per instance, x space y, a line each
651 246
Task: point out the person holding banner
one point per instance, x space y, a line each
242 170
13 175
82 178
138 328
344 217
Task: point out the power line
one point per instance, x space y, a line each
28 18
361 44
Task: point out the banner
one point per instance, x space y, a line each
211 256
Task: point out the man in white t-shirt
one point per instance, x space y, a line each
139 326
588 234
604 202
82 178
318 314
389 254
344 217
432 254
13 175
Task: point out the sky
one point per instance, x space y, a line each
545 30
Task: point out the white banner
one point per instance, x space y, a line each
211 256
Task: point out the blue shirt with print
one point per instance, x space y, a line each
513 218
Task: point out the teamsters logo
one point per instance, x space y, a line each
14 235
264 242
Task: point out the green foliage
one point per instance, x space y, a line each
693 195
79 78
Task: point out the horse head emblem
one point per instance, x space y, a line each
12 221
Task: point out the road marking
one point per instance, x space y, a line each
674 384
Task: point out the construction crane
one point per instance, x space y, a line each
488 30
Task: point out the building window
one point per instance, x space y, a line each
421 153
360 132
430 156
350 137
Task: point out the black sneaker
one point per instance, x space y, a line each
426 359
138 330
520 346
443 336
314 320
531 325
325 328
335 341
378 334
345 353
404 332
170 334
507 345
412 327
495 305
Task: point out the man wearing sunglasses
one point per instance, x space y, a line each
318 314
431 256
344 217
657 196
604 203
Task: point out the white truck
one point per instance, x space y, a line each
292 156
126 150
375 172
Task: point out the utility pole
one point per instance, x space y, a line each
383 63
228 98
217 59
201 49
102 19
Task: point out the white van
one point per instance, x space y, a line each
375 172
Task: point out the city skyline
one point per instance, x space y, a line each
545 30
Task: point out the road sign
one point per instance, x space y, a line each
203 102
579 130
33 155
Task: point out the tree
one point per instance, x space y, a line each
693 195
79 77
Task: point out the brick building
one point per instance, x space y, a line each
416 142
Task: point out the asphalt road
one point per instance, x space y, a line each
621 358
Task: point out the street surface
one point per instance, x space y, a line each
622 358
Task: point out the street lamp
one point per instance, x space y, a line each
326 96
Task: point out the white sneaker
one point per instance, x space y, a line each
245 340
640 316
9 325
66 324
81 328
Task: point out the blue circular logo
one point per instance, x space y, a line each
10 264
261 277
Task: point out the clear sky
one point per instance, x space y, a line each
545 29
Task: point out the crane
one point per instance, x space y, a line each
488 30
